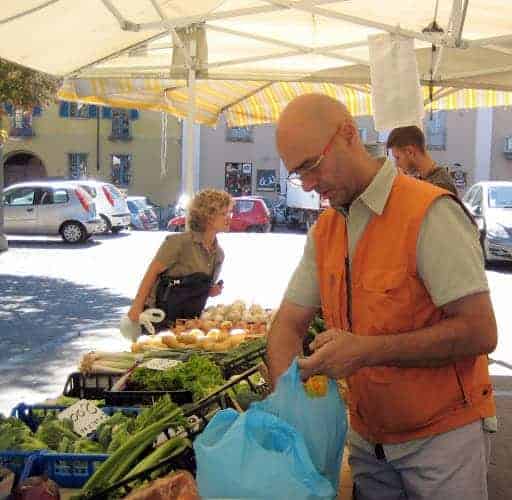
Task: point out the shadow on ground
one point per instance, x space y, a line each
41 322
52 244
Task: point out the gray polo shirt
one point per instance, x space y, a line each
449 262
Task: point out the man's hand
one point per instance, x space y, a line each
338 354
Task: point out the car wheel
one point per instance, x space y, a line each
116 230
104 226
254 229
179 229
73 232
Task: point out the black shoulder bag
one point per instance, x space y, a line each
182 297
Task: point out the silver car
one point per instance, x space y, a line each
110 204
491 205
49 208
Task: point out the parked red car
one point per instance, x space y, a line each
250 213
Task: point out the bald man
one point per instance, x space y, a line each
397 269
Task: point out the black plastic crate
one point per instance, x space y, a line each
145 398
238 365
89 386
201 412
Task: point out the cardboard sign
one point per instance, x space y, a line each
160 364
85 415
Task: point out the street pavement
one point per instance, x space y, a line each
58 302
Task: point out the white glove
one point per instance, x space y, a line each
150 316
132 330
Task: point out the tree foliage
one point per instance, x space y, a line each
24 87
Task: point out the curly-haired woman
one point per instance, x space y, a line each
184 271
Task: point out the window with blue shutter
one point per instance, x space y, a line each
106 112
37 111
79 110
120 125
8 108
64 109
134 114
77 165
93 111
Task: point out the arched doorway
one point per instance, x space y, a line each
23 166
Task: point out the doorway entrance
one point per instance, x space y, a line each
23 166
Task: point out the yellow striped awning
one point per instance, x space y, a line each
246 103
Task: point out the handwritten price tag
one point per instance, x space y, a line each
160 364
85 415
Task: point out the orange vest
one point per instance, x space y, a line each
382 294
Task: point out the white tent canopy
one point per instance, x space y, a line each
459 44
276 40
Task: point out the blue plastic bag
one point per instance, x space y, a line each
322 422
288 446
255 455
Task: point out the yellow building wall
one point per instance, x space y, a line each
55 137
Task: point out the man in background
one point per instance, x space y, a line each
407 145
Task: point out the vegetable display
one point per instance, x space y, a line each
122 461
198 375
15 435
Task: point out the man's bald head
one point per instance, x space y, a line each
309 120
318 139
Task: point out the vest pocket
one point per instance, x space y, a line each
383 299
395 400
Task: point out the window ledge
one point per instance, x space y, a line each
122 138
21 133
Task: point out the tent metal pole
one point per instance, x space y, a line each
182 22
188 187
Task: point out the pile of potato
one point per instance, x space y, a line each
220 328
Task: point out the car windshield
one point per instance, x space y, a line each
132 207
140 204
500 197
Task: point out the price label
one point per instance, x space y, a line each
160 364
85 415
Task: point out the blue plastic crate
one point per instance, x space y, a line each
15 460
68 470
27 413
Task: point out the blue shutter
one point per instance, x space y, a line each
93 111
134 114
106 112
8 108
37 111
64 109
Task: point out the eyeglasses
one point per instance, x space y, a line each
296 177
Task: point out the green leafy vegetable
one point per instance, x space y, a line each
15 435
198 375
57 434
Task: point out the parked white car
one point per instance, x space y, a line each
491 205
110 204
48 208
